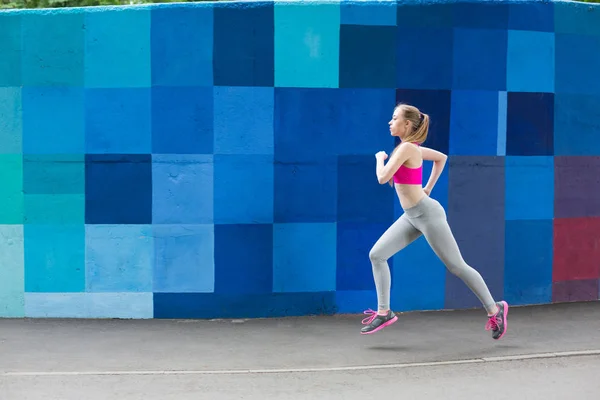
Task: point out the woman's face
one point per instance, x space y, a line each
398 125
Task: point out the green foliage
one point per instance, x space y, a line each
82 3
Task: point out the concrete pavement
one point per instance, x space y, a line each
216 356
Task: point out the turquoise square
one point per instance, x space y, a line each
118 49
54 258
304 257
119 258
53 49
307 49
54 174
530 61
12 284
11 124
529 187
10 48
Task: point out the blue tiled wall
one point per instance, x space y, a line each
217 159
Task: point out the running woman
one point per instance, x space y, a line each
422 216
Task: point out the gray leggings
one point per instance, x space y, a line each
426 218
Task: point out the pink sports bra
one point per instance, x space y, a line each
409 176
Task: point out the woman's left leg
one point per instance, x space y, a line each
434 225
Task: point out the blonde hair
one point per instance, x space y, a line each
420 126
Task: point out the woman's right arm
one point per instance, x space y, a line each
439 161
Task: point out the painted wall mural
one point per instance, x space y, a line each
216 160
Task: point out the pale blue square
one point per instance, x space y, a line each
12 264
117 52
253 179
53 49
307 39
184 258
89 305
530 61
119 258
304 257
182 189
529 187
53 120
11 123
243 120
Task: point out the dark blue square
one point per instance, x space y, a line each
243 44
532 16
476 214
480 59
530 124
306 123
243 305
360 197
118 121
118 189
423 15
577 62
485 15
435 103
364 127
424 58
182 51
306 192
354 242
244 258
367 56
182 120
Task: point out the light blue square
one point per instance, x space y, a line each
11 124
12 264
53 49
243 120
182 189
304 257
369 13
530 61
184 258
54 258
307 44
576 17
474 122
117 48
119 258
529 187
253 179
53 120
502 122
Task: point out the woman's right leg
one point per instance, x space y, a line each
395 238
